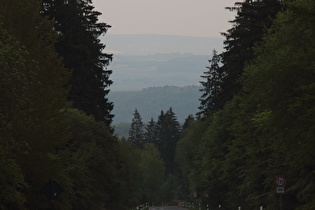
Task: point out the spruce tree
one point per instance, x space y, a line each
168 129
211 87
136 134
188 122
150 132
78 44
253 18
159 130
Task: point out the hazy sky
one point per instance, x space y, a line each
172 17
199 18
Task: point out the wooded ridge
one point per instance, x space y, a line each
150 101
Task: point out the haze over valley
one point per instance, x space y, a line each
142 61
155 72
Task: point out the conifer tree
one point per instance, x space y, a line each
266 131
159 127
136 134
188 121
168 130
79 46
150 132
211 87
253 18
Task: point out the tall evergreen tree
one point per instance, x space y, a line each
285 115
168 129
211 87
136 134
150 132
79 46
269 129
158 126
250 24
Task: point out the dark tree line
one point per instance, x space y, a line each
212 87
223 76
81 50
261 124
164 134
257 115
55 116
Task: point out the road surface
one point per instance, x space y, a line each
167 208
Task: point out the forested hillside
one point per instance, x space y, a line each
255 122
150 101
260 124
57 150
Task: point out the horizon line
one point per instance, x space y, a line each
150 34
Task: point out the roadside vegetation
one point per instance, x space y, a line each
256 119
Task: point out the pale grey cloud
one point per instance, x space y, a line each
172 17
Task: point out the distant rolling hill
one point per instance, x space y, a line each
150 101
166 63
135 72
142 61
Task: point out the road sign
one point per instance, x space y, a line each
280 181
52 190
280 189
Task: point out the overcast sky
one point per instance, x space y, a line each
205 18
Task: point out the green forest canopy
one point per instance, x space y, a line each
266 129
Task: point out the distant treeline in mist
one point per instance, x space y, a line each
150 101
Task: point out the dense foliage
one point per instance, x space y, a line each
253 18
42 137
32 103
164 134
211 87
266 130
82 52
265 127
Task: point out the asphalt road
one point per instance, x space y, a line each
167 208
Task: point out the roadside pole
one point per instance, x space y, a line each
280 182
